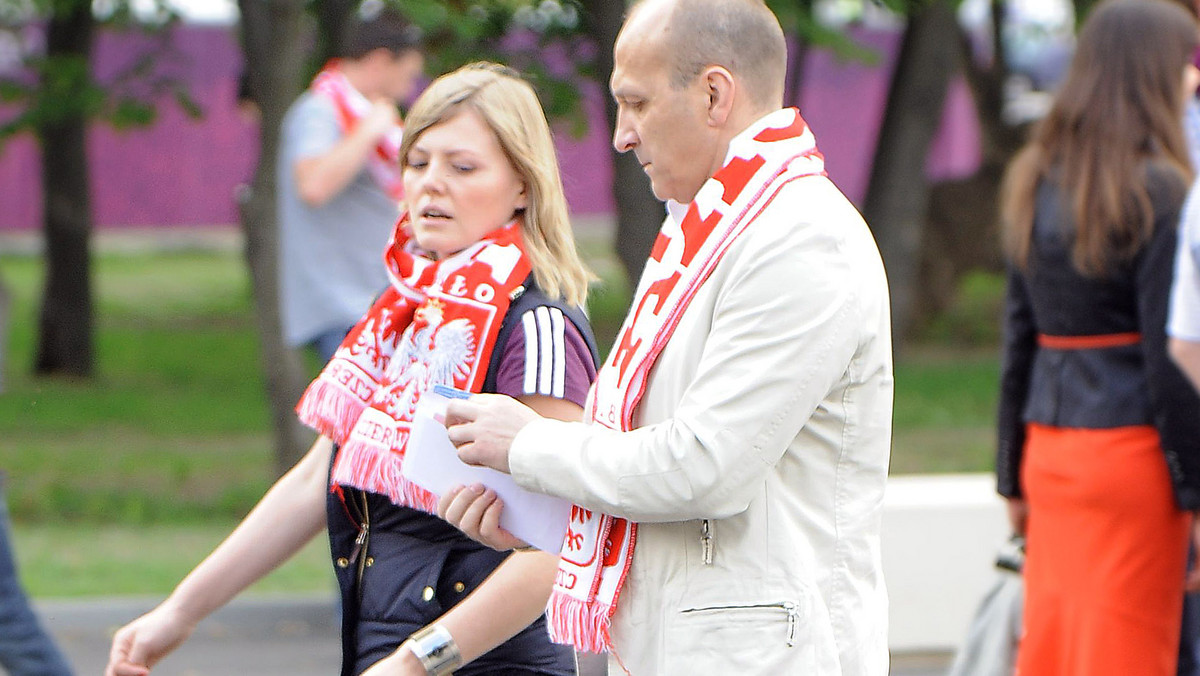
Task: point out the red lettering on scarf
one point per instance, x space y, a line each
662 289
565 580
695 231
354 383
624 351
574 540
736 175
771 134
579 514
381 434
660 247
614 542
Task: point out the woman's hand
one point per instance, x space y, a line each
1192 583
140 645
1018 515
400 663
476 512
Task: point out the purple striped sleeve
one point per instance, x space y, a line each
546 355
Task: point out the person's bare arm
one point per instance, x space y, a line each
512 597
290 514
320 178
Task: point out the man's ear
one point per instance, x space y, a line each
720 87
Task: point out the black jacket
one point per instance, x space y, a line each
1105 387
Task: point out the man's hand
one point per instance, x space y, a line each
380 119
475 511
484 426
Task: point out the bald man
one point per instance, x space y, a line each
729 476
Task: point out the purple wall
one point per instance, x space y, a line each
182 172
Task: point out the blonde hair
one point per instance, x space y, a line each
510 108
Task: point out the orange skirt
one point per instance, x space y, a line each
1107 552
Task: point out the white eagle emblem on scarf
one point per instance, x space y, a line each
432 353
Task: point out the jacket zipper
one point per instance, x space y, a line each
706 542
359 553
791 607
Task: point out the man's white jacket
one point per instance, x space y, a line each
757 468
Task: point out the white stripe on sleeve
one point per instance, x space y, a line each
531 351
560 353
545 350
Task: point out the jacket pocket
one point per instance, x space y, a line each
762 638
791 608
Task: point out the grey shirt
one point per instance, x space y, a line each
330 257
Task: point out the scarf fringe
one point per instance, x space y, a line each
571 621
329 409
365 466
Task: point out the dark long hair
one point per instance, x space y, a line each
1119 108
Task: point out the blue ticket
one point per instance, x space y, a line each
451 392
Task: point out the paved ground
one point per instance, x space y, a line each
264 636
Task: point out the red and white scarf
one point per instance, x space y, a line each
352 106
435 324
598 549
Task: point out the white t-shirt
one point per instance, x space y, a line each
1184 319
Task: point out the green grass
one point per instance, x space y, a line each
121 483
945 410
72 559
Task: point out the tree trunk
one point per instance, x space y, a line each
639 213
898 193
65 326
273 45
332 17
964 214
797 57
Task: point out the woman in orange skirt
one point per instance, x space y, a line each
1099 433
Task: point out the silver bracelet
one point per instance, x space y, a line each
436 649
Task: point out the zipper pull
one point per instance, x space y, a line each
358 543
793 613
706 543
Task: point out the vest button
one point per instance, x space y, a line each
370 561
459 587
427 593
342 562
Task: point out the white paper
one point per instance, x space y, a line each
431 462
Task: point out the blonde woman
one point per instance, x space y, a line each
485 293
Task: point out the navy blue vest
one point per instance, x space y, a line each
412 567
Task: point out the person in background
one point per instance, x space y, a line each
1189 635
1098 433
25 647
1184 320
729 488
485 294
338 183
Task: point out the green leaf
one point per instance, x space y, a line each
131 112
186 103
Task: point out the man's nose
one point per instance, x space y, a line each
624 137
